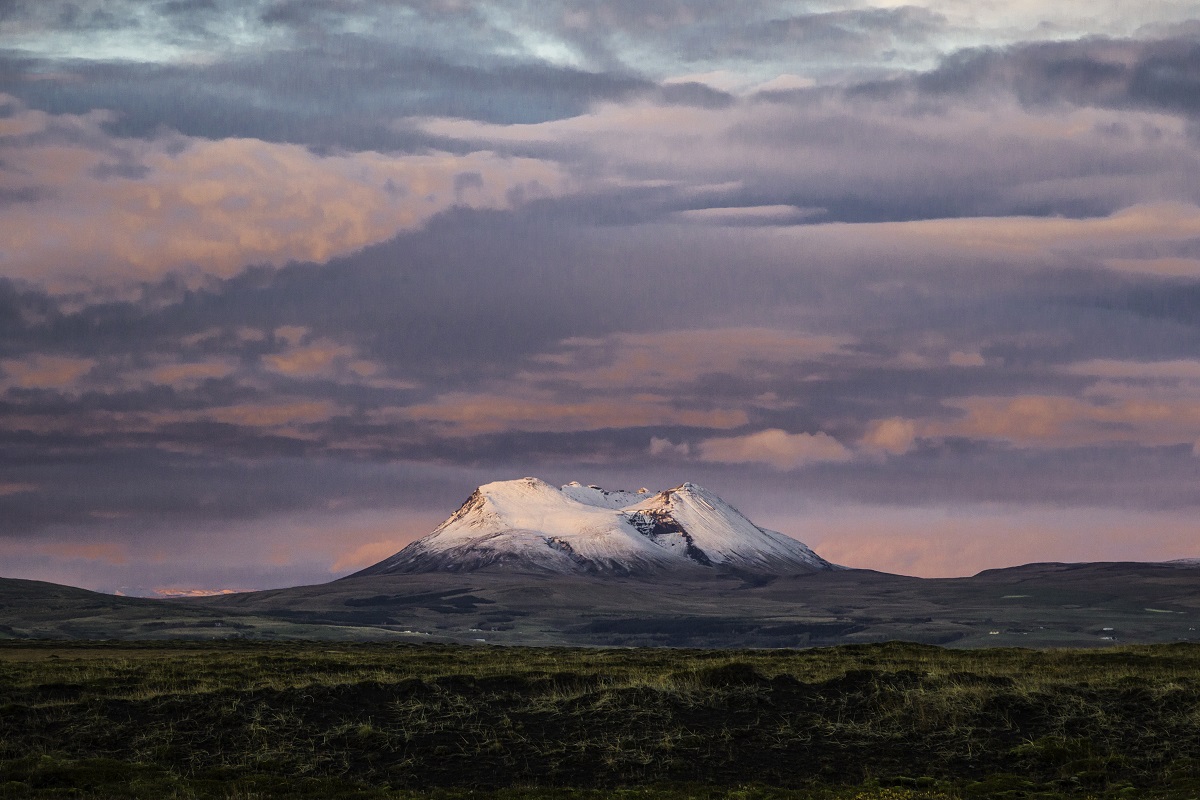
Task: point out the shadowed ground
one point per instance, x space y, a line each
1039 605
874 722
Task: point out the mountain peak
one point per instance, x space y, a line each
529 525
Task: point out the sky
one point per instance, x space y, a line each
283 281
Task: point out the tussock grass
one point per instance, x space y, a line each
861 722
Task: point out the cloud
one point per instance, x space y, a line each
112 553
316 359
748 215
464 414
1174 370
779 449
45 371
331 88
838 157
299 259
1115 73
961 359
189 373
895 435
212 428
218 206
1141 225
265 415
665 447
669 359
1059 421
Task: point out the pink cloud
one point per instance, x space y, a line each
1057 421
895 435
464 414
1175 370
45 372
267 415
186 373
108 552
775 447
665 447
317 359
217 206
671 358
1150 224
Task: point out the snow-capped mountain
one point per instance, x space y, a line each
529 525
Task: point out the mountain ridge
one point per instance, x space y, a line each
529 525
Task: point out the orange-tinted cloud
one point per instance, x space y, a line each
185 373
895 435
107 552
465 414
45 372
269 415
1175 370
775 447
316 359
1057 421
671 358
218 206
1151 224
329 360
277 416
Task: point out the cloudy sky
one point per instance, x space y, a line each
282 281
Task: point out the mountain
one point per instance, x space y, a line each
525 563
527 525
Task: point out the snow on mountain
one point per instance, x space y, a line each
527 524
595 496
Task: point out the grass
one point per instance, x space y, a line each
862 722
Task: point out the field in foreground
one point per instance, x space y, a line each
868 722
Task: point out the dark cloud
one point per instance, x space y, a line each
345 92
128 171
24 194
834 34
1153 75
694 94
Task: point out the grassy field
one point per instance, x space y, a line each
862 722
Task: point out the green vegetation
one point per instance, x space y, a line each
861 722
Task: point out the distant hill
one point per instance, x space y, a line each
525 563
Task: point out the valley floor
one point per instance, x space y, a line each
862 722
